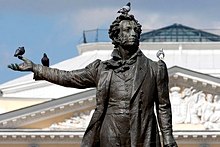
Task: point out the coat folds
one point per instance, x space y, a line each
149 90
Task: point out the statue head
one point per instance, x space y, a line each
125 30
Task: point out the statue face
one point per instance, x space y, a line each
128 34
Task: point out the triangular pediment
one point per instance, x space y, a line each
45 114
74 111
195 99
183 77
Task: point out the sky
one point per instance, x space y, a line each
55 27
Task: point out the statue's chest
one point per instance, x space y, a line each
121 86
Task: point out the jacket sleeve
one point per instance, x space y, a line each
82 78
163 105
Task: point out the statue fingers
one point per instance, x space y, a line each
17 66
27 65
23 58
14 66
171 145
10 66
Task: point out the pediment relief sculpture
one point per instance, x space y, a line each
79 122
192 106
189 106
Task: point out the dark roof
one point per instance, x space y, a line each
178 33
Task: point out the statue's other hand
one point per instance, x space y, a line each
171 145
27 65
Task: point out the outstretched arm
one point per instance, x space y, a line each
83 78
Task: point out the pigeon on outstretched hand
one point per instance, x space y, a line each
125 9
160 54
45 60
19 52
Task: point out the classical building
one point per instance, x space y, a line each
42 114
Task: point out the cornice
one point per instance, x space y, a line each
75 137
185 81
197 137
44 114
40 137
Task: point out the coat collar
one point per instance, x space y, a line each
119 65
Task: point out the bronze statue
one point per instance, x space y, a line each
129 86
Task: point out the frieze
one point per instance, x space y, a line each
193 106
78 122
47 113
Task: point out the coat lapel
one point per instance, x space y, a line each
105 84
101 96
140 73
105 78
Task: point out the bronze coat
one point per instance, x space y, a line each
150 88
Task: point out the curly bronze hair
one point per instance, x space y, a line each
114 28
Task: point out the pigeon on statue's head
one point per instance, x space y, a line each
125 9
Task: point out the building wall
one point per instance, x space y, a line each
189 55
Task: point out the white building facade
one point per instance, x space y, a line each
47 115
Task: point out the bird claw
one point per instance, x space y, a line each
20 57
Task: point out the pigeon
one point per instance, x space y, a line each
160 54
125 9
45 60
19 52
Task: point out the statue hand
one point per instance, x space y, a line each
27 65
171 145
